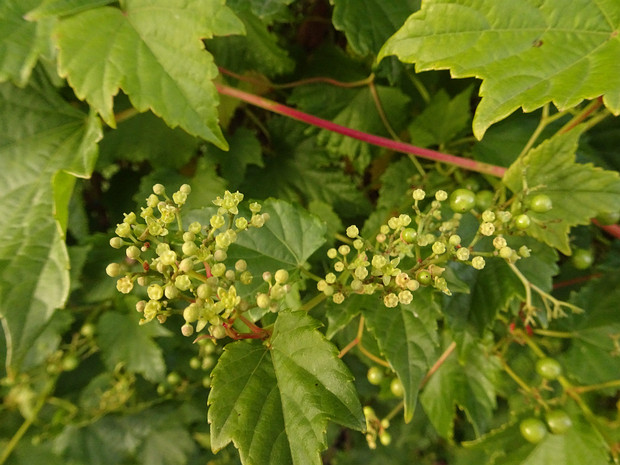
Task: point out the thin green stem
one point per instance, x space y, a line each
314 80
440 361
381 112
19 434
310 275
125 115
582 115
542 124
553 306
395 410
421 88
317 299
516 378
558 334
596 387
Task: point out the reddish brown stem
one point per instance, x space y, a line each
579 280
397 146
611 229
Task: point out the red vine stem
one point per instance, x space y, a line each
397 146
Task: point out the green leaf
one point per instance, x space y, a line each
42 136
244 150
442 120
152 50
328 216
123 341
106 441
593 356
146 137
362 114
491 290
286 240
526 54
407 337
264 9
21 41
303 172
368 24
467 384
578 191
63 7
258 50
274 401
167 443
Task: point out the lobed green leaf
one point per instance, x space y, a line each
367 25
578 191
46 144
527 53
407 337
274 400
153 52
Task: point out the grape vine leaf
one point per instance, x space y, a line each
152 50
362 114
367 25
264 9
286 241
63 7
146 137
593 355
43 136
123 340
442 120
407 337
258 50
467 384
493 288
273 400
244 150
21 41
578 191
288 238
527 53
302 171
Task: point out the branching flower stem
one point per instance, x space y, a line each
384 142
19 434
552 305
357 341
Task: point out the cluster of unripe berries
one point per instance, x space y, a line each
557 421
186 270
411 252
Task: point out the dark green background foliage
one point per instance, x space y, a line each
100 100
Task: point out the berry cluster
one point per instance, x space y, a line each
185 271
411 252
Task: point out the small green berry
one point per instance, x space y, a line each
408 235
582 259
397 388
533 430
548 368
541 203
522 221
462 200
423 277
484 199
